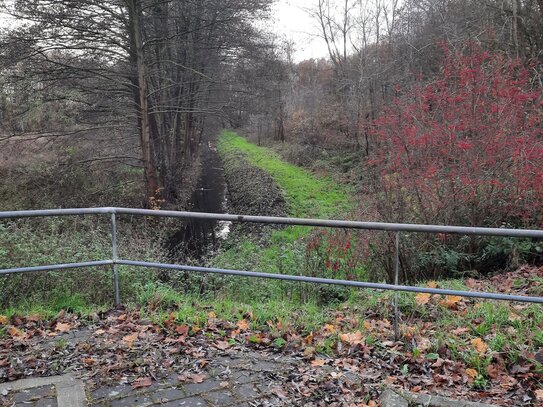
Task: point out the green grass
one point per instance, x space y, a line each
307 196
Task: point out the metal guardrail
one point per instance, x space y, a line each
398 228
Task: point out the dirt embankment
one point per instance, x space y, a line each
252 191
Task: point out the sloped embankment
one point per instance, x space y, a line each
252 190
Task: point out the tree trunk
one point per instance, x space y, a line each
151 176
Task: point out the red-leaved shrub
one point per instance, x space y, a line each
465 148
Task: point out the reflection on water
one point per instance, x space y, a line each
197 236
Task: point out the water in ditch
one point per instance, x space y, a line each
197 237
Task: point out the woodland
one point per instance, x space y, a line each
423 112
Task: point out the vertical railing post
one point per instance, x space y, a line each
115 257
396 282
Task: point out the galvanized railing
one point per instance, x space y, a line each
398 228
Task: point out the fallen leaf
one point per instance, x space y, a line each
3 320
182 330
330 328
278 391
89 361
243 325
197 378
211 315
12 331
142 382
422 298
431 284
480 346
222 345
130 339
318 362
99 332
460 331
223 384
63 327
309 351
539 394
471 373
309 338
451 301
352 339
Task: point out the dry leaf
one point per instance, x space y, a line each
318 362
451 301
3 320
211 315
222 345
471 373
479 345
422 298
182 330
142 382
243 325
278 391
431 284
539 394
309 351
330 328
12 331
197 378
352 339
223 384
62 327
130 339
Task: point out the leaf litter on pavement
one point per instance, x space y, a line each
347 361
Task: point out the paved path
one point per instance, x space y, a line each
248 379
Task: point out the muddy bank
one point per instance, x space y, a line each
251 191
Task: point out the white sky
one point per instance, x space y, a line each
293 22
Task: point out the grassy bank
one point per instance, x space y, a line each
308 196
285 250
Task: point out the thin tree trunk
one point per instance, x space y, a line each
151 176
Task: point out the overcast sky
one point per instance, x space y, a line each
295 24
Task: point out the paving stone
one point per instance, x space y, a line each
111 391
390 398
244 376
266 366
220 398
246 391
140 400
166 395
34 394
52 402
204 387
264 387
188 402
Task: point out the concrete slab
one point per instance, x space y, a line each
70 391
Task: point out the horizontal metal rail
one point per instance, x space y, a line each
391 227
54 267
347 283
377 226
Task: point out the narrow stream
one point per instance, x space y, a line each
198 236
